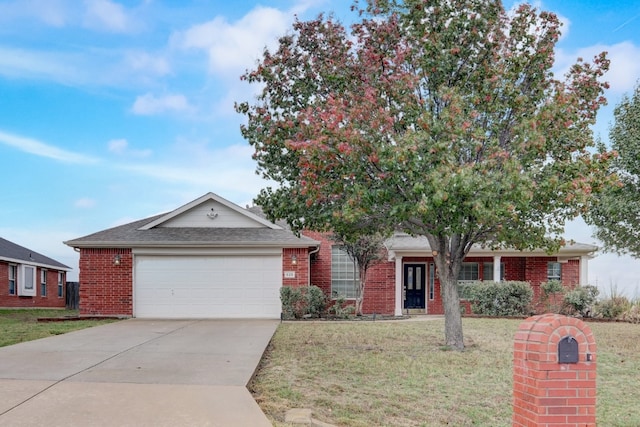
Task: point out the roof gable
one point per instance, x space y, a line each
210 211
190 227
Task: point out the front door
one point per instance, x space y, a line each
414 280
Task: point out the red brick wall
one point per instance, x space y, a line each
321 262
571 273
51 300
546 392
300 268
106 289
536 273
379 294
380 291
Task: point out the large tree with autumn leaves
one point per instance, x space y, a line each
440 118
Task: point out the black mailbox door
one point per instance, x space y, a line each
568 350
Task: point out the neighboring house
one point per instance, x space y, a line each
213 259
30 279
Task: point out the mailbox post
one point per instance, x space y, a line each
554 373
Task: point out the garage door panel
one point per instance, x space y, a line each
208 286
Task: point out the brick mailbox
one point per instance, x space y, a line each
554 373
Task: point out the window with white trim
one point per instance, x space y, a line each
60 284
468 272
43 282
554 271
27 283
344 274
487 271
13 278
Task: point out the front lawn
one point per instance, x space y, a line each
18 325
397 373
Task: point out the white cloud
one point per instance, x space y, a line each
148 104
54 13
39 148
21 63
107 15
145 62
121 148
233 47
229 169
118 146
625 67
92 67
624 70
84 203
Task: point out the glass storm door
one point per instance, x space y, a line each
414 280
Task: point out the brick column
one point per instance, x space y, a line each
546 392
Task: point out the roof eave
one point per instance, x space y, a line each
191 244
60 267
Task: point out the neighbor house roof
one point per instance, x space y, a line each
12 252
404 243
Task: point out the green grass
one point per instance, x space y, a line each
396 373
19 325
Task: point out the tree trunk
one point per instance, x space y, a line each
361 287
448 269
452 315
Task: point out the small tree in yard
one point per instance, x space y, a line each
366 251
440 118
616 211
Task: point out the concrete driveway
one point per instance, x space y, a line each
137 373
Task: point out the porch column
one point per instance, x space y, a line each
584 270
398 310
496 268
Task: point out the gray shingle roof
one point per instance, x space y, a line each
10 251
130 235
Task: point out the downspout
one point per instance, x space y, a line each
315 251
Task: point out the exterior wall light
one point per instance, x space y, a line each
294 260
116 260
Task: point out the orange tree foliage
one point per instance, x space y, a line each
440 118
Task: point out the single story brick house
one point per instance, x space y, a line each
407 280
213 259
30 279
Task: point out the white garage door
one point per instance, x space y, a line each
245 286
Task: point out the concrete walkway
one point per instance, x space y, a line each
137 373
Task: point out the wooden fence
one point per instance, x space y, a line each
73 295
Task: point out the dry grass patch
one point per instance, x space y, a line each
398 373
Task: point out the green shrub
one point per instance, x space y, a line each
551 297
613 307
316 301
552 287
300 302
341 309
510 298
581 300
291 299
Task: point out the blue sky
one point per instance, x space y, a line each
111 111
